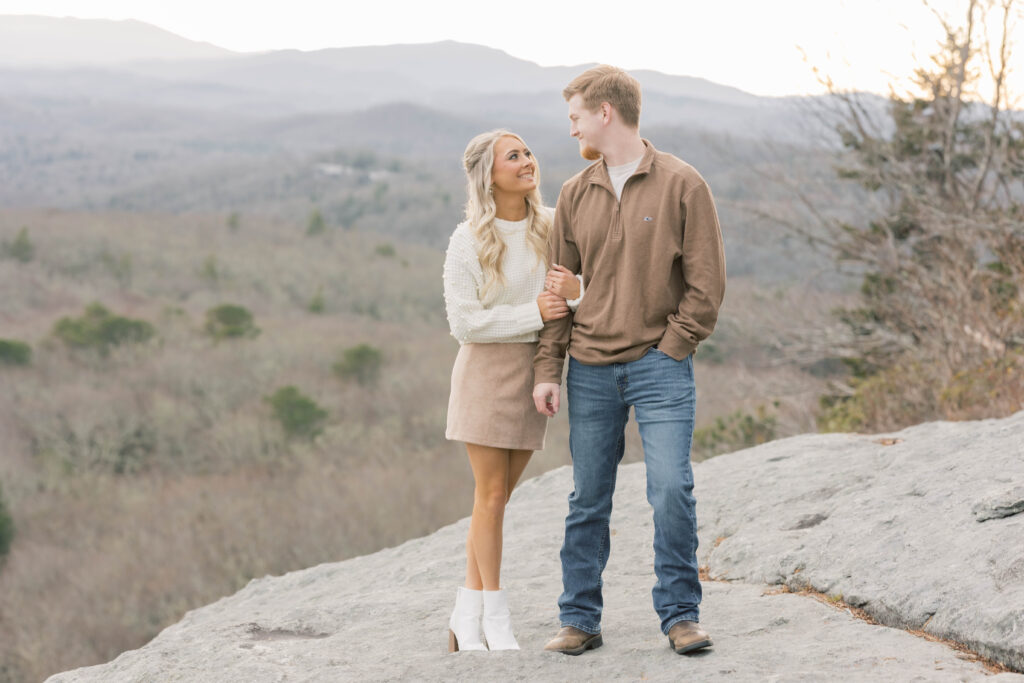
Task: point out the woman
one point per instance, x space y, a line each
494 276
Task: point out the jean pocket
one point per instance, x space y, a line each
661 354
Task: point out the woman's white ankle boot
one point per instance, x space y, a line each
497 622
464 624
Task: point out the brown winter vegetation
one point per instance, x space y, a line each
937 243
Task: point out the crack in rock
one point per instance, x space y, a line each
259 633
809 521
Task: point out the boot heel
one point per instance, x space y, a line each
464 624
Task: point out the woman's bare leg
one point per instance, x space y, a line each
473 580
489 462
518 460
490 474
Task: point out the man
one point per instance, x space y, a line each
641 228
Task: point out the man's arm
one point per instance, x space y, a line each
554 336
704 275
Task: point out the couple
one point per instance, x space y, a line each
627 275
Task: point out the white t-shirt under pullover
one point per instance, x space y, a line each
620 174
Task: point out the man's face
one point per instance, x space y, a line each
586 126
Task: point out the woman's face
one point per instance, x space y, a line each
515 170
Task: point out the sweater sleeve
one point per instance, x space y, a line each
575 303
704 274
469 320
554 337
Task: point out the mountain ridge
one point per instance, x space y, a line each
29 40
446 64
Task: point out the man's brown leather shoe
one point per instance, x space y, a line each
687 636
572 641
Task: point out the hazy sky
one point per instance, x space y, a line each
764 47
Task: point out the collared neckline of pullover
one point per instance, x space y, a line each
652 263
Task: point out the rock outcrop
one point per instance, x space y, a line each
922 529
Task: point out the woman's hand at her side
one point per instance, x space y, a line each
552 306
562 282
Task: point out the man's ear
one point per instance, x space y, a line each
606 112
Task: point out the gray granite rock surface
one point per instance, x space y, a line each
1000 505
888 523
889 528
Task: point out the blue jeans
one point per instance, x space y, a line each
661 391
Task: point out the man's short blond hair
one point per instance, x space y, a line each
608 84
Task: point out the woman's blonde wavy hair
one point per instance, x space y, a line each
478 161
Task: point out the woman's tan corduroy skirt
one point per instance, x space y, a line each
491 401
